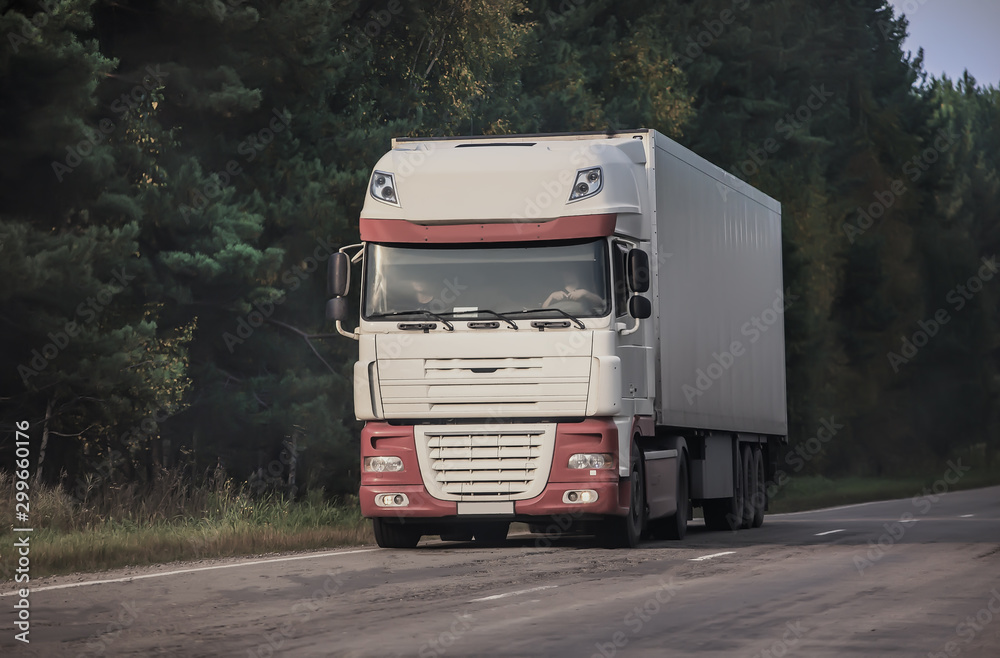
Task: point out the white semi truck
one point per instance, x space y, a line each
576 330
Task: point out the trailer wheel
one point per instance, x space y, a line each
749 487
394 535
760 490
740 493
675 526
728 513
625 532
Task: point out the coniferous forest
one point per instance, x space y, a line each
175 172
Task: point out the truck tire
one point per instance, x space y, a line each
719 513
389 534
674 527
760 491
749 486
491 533
626 532
727 513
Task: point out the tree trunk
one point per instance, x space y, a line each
292 464
45 440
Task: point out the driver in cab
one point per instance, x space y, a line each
573 298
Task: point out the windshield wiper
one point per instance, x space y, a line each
513 325
551 309
417 311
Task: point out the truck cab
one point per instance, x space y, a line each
508 340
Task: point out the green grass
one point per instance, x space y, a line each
167 520
805 492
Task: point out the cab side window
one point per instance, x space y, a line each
619 257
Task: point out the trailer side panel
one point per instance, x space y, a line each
720 299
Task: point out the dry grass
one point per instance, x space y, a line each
170 519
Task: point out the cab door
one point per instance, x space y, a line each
633 348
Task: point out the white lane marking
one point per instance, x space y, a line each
965 516
520 591
180 571
709 557
948 494
829 532
831 509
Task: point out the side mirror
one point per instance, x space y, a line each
338 275
639 307
336 309
638 271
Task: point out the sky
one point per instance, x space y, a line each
955 35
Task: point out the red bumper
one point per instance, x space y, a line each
592 435
550 503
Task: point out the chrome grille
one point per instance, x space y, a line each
486 464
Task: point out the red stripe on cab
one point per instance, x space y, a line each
561 228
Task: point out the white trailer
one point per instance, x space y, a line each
579 331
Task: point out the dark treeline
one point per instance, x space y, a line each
175 172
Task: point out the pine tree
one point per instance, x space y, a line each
83 360
959 240
601 65
814 104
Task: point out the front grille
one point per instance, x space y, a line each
476 386
485 463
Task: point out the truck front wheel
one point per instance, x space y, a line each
389 534
625 532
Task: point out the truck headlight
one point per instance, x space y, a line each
383 464
588 183
589 460
383 188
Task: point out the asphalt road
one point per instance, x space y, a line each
914 577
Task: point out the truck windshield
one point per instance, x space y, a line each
570 277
